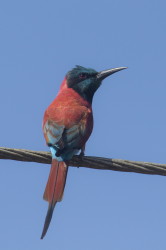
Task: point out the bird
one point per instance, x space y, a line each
67 125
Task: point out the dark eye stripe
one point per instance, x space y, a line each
83 75
86 75
74 80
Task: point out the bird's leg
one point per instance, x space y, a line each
82 153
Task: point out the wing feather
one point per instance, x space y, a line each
71 135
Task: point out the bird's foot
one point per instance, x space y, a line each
82 154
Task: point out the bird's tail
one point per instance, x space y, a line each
54 189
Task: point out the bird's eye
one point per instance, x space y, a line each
82 76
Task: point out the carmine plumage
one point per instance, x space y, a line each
67 125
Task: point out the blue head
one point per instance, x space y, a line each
86 81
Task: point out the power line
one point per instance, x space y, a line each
86 161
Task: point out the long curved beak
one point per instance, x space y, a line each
103 74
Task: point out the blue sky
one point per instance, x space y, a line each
41 41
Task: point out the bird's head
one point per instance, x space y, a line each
86 81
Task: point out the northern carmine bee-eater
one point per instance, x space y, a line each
67 125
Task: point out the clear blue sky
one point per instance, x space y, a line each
40 41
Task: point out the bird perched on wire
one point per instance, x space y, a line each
67 125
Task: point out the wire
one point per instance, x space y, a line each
86 161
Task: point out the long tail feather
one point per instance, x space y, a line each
54 189
47 220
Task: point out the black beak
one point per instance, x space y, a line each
103 74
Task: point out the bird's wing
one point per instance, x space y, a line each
53 133
72 137
69 135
